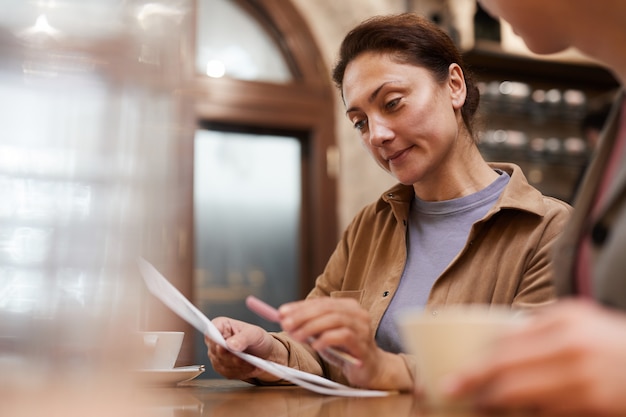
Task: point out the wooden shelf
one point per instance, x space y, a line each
487 60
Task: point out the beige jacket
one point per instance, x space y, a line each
505 260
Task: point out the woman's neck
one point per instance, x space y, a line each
461 176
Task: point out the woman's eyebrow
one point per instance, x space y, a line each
372 96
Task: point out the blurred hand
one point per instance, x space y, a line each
570 357
341 323
243 337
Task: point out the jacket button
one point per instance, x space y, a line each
386 293
599 233
390 195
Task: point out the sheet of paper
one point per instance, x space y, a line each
160 287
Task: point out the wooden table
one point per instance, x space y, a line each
222 398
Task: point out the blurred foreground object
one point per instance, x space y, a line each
91 117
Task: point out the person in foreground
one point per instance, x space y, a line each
455 230
571 358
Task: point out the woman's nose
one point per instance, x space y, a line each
379 131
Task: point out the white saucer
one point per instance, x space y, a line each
168 377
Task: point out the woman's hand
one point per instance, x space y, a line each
243 337
570 357
341 323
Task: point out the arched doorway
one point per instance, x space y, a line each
264 190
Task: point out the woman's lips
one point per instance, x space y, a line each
397 155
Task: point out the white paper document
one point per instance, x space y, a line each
160 287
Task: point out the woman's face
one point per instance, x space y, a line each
538 22
408 122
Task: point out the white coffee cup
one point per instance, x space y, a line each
159 349
446 339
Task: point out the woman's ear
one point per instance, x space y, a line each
456 83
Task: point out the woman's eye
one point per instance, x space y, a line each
359 124
391 104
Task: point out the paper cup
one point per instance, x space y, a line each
444 340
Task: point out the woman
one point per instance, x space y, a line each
571 358
455 230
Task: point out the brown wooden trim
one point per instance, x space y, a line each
235 101
291 32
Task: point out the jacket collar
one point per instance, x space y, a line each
518 195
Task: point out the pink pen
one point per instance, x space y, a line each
271 314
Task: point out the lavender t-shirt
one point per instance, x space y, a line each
437 231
